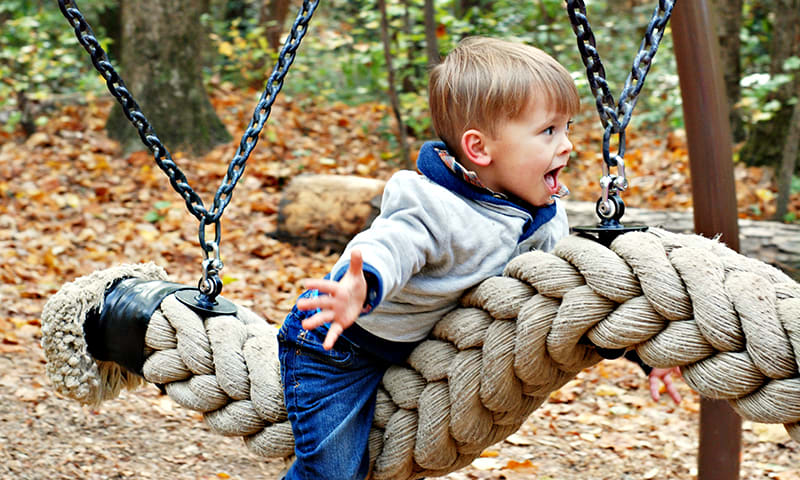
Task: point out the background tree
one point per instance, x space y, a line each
234 9
273 16
162 66
791 150
108 18
409 77
766 139
729 25
431 26
387 50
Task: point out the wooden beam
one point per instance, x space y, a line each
713 192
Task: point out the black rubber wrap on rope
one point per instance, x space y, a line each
730 322
116 333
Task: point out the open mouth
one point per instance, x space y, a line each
551 180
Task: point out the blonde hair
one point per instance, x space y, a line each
485 82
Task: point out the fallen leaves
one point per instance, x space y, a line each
659 175
773 433
71 204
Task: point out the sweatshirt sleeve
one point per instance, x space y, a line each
408 234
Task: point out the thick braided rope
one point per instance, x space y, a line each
731 323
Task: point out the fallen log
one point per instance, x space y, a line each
327 210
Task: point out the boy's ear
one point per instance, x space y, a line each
474 145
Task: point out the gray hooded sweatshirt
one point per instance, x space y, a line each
437 236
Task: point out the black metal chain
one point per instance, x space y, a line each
615 117
162 156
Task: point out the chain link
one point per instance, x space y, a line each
161 155
615 117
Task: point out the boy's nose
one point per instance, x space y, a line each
566 146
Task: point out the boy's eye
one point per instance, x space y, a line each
569 125
549 130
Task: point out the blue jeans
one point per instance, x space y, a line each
330 399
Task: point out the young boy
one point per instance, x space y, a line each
485 194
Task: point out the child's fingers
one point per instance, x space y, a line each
654 389
673 393
333 334
325 302
356 263
672 389
318 319
324 286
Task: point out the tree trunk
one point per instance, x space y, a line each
387 53
408 74
729 24
27 120
110 20
789 162
161 65
273 17
431 40
765 140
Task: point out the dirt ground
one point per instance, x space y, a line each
72 204
600 426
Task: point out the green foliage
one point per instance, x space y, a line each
758 88
158 212
792 64
342 59
417 116
755 36
758 91
346 63
243 55
338 67
795 187
39 58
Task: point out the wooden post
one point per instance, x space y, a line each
713 194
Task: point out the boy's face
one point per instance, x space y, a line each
527 154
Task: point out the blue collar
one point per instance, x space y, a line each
431 165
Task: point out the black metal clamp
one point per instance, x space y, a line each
116 331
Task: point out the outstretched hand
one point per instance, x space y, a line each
659 375
340 303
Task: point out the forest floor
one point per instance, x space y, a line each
71 203
602 425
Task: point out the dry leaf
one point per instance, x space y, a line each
770 432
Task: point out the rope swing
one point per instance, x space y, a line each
730 322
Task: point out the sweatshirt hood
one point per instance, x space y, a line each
431 164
